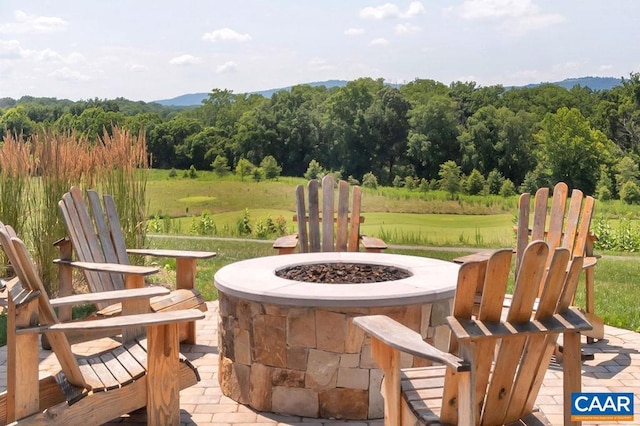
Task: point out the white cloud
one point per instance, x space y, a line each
415 8
605 68
390 10
30 24
517 16
379 42
69 75
10 49
407 28
354 31
227 67
46 55
185 60
320 64
225 34
138 68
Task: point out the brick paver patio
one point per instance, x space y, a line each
615 368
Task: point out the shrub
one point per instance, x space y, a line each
203 225
475 183
244 223
173 173
270 167
244 168
409 183
192 172
630 193
494 181
508 188
314 171
369 180
424 185
220 165
258 174
397 182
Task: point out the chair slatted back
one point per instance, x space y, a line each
508 372
558 225
95 235
327 227
29 281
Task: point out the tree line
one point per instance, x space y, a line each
530 137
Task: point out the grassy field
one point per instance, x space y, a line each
398 216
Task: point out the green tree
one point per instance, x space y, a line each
494 181
314 171
220 165
270 167
570 150
450 181
630 193
244 168
475 183
433 135
507 188
626 171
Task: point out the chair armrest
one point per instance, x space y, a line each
396 335
173 253
115 323
287 241
110 296
572 320
370 243
115 268
475 257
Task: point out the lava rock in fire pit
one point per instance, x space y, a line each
342 273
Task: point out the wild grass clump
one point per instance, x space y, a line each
37 172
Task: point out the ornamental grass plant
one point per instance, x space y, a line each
36 172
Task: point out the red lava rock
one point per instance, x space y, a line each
342 273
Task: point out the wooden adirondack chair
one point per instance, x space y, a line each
98 238
494 369
560 228
311 237
90 389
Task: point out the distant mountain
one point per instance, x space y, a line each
195 99
594 83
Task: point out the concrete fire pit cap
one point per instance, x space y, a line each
255 279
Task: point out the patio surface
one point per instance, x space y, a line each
615 368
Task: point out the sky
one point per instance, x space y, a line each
157 49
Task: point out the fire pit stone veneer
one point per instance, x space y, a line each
290 347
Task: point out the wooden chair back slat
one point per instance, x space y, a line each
301 211
115 230
557 215
522 231
314 217
104 238
539 214
354 223
582 233
102 228
327 213
343 216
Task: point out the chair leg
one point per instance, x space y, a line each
163 384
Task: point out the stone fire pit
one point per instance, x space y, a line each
290 346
